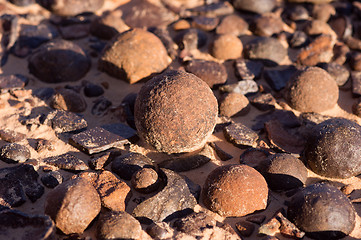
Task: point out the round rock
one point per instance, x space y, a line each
234 104
59 61
255 6
145 180
68 100
312 90
134 55
14 153
333 149
235 191
232 24
71 7
322 211
176 112
267 49
227 46
73 205
285 172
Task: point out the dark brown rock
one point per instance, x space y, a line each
356 108
235 191
320 50
257 219
287 118
52 179
312 208
269 50
234 104
9 135
256 158
264 102
227 46
245 228
73 205
18 225
299 39
160 230
129 56
259 6
100 161
312 90
176 199
356 83
240 135
284 172
355 61
205 23
181 118
12 82
212 73
59 61
322 151
277 79
101 106
108 25
64 121
247 69
66 161
298 13
194 223
68 100
337 71
118 225
14 153
164 35
145 180
232 24
61 7
223 155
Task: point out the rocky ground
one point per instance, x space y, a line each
187 119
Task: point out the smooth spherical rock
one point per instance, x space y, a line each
333 149
134 55
145 180
59 61
235 191
175 112
71 7
255 6
312 90
322 211
285 172
227 46
73 205
234 104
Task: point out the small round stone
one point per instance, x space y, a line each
256 6
14 153
52 179
134 55
59 61
267 49
68 100
322 211
333 150
235 191
227 46
234 104
312 90
71 7
92 90
285 172
232 24
145 180
175 112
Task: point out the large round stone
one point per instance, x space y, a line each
235 191
333 149
59 61
322 211
175 112
134 55
312 90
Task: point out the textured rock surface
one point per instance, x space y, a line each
227 46
234 104
175 112
256 6
323 149
312 90
62 7
13 153
130 58
235 191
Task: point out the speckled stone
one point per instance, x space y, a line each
129 56
312 90
235 191
175 112
322 151
14 153
227 46
322 211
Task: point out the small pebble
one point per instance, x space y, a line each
232 24
259 6
299 39
145 180
14 153
355 61
247 193
234 104
266 26
60 7
245 228
245 87
160 230
356 108
182 24
9 135
319 50
52 179
66 161
240 135
101 106
257 219
68 100
264 102
356 83
247 69
205 23
323 12
298 13
227 46
92 90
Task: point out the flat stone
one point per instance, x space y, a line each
256 158
118 225
194 223
205 23
44 93
12 136
277 79
257 219
232 24
99 162
245 228
264 102
356 83
68 100
96 140
223 155
64 121
270 228
320 50
12 82
73 205
174 200
240 135
126 165
14 153
245 87
248 69
66 161
17 183
52 179
286 118
188 161
18 225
